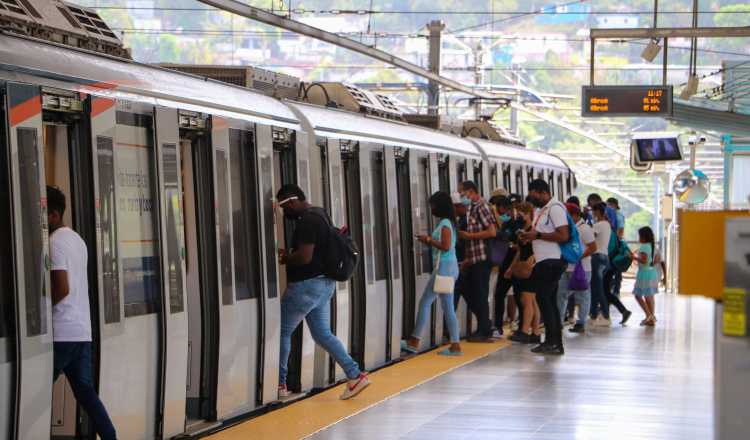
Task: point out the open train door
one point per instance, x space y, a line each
33 356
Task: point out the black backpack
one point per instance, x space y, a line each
341 256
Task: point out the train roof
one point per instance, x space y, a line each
103 75
347 125
508 153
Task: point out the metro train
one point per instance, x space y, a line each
171 180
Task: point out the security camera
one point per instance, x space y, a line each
702 139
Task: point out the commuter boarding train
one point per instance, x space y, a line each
170 180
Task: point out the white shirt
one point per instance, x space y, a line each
587 237
602 231
71 319
548 219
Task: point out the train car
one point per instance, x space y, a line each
171 181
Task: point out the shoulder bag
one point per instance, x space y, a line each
443 284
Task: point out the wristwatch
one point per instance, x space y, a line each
538 235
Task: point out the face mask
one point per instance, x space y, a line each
504 218
465 200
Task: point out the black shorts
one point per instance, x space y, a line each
520 286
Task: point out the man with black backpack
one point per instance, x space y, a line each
320 255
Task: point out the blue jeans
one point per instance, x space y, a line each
599 265
582 297
446 302
74 359
311 300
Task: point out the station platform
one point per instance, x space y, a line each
626 382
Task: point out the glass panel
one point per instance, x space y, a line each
739 190
225 227
33 225
136 225
244 215
380 220
173 212
424 212
7 315
107 216
266 174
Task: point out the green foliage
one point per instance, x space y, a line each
636 221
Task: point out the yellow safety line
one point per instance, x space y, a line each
308 416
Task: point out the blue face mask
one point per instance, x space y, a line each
466 201
504 218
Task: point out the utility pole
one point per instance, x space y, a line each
517 100
478 76
435 28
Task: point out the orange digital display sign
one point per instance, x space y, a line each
626 101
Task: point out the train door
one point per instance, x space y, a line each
471 323
27 369
129 263
240 266
340 304
354 220
407 219
196 159
395 285
26 335
290 165
7 289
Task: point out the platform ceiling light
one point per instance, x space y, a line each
651 50
691 88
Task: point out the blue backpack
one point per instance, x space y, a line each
572 250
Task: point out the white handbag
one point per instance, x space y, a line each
443 284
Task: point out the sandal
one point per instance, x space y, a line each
408 348
448 352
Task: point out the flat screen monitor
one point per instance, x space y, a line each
658 150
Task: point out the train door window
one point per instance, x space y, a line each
461 171
519 181
444 174
568 183
529 175
494 182
423 173
380 221
7 326
403 177
245 205
28 162
507 181
319 167
107 227
225 227
479 177
137 234
551 182
560 187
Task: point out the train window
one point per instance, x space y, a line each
551 182
424 212
506 177
6 251
136 231
560 188
478 177
494 183
461 171
225 227
245 203
108 230
380 222
529 175
519 181
444 176
174 223
32 224
319 167
568 180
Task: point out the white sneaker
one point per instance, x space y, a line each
284 392
354 387
496 334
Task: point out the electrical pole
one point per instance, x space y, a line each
478 76
435 28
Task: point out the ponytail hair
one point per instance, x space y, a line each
646 235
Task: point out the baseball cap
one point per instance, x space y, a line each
573 208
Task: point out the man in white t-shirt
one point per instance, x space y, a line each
549 231
582 296
71 319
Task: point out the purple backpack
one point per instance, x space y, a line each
578 279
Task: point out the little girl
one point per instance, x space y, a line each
647 280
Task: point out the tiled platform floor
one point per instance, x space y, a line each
613 383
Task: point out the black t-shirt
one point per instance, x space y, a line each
310 229
460 244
